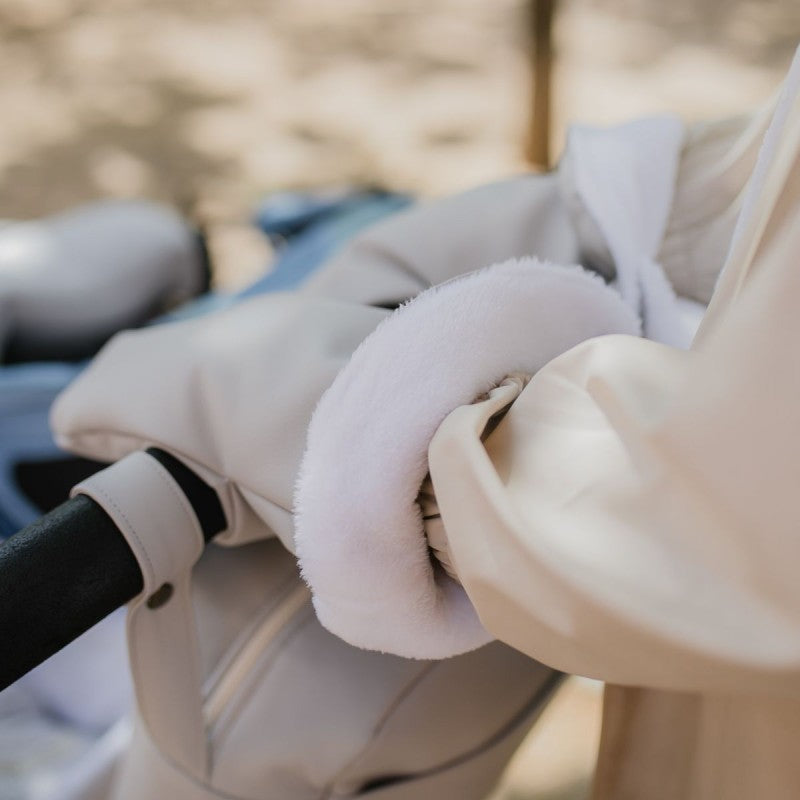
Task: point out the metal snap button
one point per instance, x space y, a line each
160 596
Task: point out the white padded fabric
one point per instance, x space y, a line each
70 281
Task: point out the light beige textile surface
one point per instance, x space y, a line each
634 518
232 395
241 693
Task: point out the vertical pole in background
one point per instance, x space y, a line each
540 46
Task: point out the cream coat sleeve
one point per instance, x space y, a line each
634 515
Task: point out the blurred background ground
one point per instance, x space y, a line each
209 105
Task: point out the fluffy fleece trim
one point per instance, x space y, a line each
359 530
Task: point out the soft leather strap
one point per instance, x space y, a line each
164 534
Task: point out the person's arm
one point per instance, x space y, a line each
634 516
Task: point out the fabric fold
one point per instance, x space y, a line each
358 527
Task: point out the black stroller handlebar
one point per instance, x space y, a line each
60 576
71 568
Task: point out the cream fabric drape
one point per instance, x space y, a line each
634 518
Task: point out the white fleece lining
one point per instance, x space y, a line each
626 177
359 531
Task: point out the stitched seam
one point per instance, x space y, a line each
402 695
256 677
241 639
138 441
202 783
506 729
110 500
402 264
405 691
162 473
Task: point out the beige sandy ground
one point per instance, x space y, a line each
209 104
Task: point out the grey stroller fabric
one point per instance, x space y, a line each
70 281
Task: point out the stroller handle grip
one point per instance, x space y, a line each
71 568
